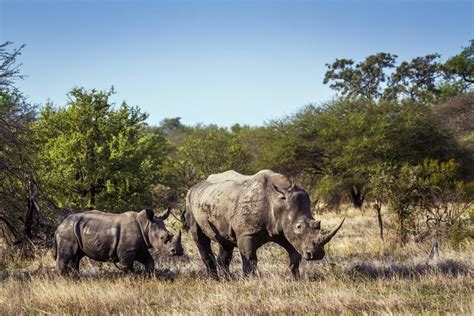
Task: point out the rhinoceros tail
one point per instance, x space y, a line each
55 252
188 214
188 220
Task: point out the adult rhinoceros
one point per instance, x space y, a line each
249 211
123 238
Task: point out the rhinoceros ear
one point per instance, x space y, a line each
146 215
281 184
164 215
281 181
281 193
149 214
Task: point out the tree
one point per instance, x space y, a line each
456 115
96 156
423 79
9 68
444 198
174 130
22 216
428 199
416 80
204 150
336 146
462 65
212 150
363 79
17 175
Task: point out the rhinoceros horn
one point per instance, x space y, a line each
326 238
177 237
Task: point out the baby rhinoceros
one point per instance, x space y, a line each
122 238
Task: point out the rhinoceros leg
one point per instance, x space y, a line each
146 259
295 257
224 258
126 259
67 250
63 265
248 251
204 246
76 260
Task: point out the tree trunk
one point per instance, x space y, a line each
30 213
92 200
357 196
402 232
378 208
434 253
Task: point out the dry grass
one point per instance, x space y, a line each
359 275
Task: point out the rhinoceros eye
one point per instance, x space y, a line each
298 227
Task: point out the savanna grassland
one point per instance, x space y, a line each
360 274
397 135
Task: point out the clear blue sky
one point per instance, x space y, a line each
220 62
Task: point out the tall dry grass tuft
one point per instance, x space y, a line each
360 274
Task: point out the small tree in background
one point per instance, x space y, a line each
444 199
95 156
428 199
379 190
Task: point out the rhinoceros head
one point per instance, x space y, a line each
158 236
291 206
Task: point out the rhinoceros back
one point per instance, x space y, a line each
98 234
227 202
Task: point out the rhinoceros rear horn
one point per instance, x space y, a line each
326 238
164 215
177 237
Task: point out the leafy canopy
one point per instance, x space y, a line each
96 156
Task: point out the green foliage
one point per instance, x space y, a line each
174 130
462 65
363 79
276 147
373 140
203 150
9 67
343 140
95 156
16 156
428 199
211 150
20 214
456 116
423 79
415 80
335 147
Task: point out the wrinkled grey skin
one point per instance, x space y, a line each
248 211
123 238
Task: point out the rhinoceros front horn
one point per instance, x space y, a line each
177 237
326 238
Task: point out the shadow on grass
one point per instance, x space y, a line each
376 270
164 274
337 269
